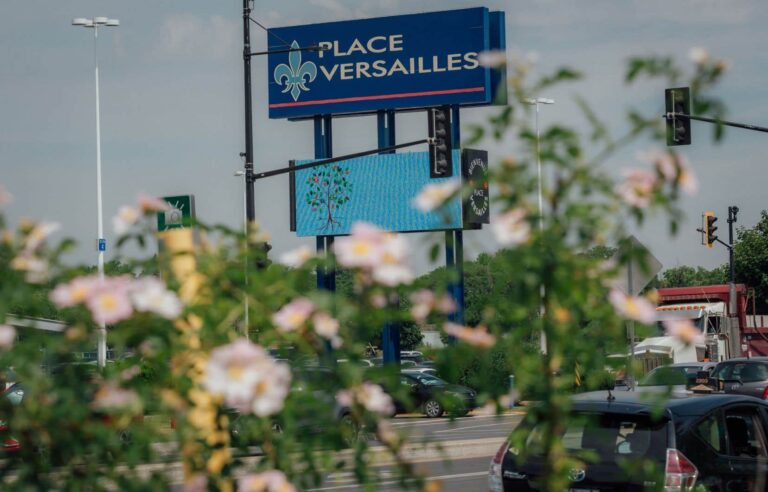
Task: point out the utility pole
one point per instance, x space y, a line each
250 209
732 307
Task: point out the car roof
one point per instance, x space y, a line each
691 364
746 359
681 403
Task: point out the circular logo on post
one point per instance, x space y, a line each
577 474
478 200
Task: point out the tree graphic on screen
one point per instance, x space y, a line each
329 190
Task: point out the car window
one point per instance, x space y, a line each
712 432
610 436
746 437
664 376
749 372
429 379
722 372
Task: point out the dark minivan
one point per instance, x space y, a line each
718 441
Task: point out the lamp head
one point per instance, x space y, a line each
100 21
113 22
82 21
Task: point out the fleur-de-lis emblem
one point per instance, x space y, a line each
295 74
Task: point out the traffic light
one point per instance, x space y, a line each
710 228
440 145
678 101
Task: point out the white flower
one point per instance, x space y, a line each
392 275
493 58
371 396
477 336
36 268
270 391
7 336
328 328
5 196
297 257
126 217
38 234
512 228
361 248
293 315
149 294
687 179
433 196
631 307
698 55
108 301
268 481
247 377
637 189
685 330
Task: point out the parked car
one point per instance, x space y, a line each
742 376
379 361
680 374
422 370
715 440
14 395
432 396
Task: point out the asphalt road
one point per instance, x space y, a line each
458 468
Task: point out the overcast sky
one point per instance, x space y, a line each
172 97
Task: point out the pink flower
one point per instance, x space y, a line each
268 481
108 301
149 294
7 336
493 58
126 217
392 275
361 248
74 292
148 203
111 396
293 315
424 301
477 337
434 196
5 196
512 228
698 55
685 330
631 307
371 396
35 268
638 187
248 378
328 328
297 257
39 234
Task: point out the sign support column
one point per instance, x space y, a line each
326 279
390 335
454 240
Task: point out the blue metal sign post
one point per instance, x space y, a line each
368 65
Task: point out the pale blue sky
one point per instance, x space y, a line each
171 86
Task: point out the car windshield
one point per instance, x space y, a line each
428 379
665 376
610 436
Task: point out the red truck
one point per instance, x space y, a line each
708 307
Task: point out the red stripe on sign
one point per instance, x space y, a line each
372 98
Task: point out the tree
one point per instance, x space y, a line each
329 189
688 276
751 260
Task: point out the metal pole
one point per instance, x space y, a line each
732 302
542 289
101 348
250 208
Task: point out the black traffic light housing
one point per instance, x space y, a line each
440 142
678 101
710 229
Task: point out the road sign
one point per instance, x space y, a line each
474 169
181 213
102 244
404 61
633 277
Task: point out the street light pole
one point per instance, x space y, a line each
250 207
94 24
246 319
536 102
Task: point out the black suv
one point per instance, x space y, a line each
717 440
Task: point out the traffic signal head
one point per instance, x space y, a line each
440 143
710 228
677 102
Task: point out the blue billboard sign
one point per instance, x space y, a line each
405 61
379 189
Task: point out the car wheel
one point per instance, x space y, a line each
433 408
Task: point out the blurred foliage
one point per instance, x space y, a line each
549 284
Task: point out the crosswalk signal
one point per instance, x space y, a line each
677 102
710 228
440 145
